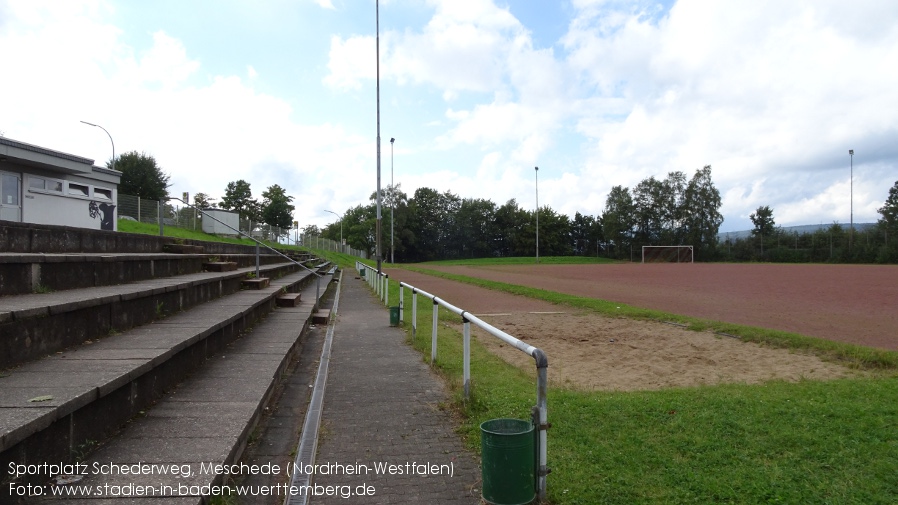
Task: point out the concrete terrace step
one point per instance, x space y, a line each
22 273
35 325
209 418
89 392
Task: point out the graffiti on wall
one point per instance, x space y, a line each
107 209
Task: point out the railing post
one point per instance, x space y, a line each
161 220
387 290
433 336
257 260
414 313
467 358
542 382
401 304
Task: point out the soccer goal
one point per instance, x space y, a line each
667 254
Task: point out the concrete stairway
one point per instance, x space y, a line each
167 369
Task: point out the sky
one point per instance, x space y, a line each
476 93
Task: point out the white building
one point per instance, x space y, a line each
42 186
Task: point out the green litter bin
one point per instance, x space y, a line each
362 273
508 461
394 316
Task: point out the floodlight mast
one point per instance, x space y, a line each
378 252
851 231
536 171
392 202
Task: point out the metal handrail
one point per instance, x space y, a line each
258 243
542 363
379 282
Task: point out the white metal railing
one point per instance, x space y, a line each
542 362
379 282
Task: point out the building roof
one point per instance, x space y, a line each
22 153
43 150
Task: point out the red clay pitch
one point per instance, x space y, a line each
848 303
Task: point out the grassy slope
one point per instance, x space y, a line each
128 226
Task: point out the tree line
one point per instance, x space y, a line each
431 225
835 243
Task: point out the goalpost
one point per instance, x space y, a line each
667 254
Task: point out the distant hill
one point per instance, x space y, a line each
800 229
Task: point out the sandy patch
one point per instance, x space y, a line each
594 352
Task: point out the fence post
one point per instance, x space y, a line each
542 382
414 313
161 221
401 304
467 358
257 260
433 336
386 290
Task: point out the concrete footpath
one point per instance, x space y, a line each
382 419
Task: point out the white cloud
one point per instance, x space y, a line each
770 94
351 61
750 88
204 130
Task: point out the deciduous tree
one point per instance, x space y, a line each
701 213
239 198
141 176
276 207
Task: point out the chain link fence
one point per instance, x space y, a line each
148 211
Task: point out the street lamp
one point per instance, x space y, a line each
341 227
851 233
393 197
110 140
536 172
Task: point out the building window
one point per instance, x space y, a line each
41 184
103 194
37 183
79 189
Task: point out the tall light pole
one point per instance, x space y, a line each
536 172
341 227
392 199
851 232
379 217
110 140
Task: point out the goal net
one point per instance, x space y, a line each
667 254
